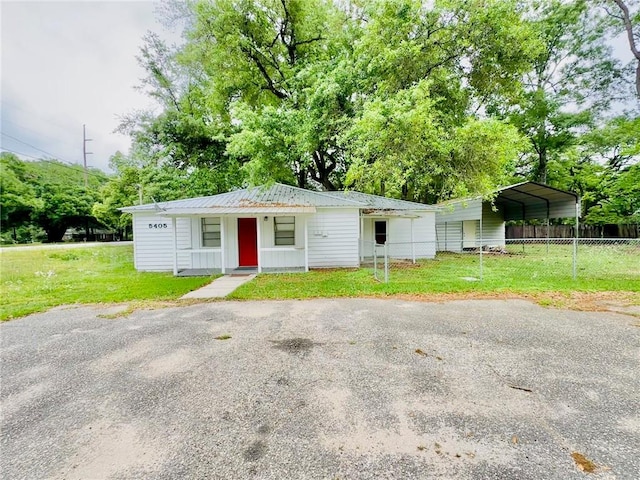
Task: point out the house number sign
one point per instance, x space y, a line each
158 225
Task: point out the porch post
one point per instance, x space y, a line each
413 246
361 238
175 246
259 241
306 243
222 251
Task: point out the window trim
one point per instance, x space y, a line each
290 234
203 232
385 222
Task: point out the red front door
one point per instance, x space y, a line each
247 242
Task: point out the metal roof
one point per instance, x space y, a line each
378 203
529 200
278 197
275 199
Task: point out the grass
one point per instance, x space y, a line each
36 280
533 272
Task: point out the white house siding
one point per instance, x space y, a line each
449 225
153 242
334 237
424 237
277 256
492 226
399 236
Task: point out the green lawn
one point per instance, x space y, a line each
534 271
38 279
35 280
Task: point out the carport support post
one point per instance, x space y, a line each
548 214
175 245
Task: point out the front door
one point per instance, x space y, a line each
247 242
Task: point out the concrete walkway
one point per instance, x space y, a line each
220 287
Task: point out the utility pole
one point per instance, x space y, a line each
86 180
85 153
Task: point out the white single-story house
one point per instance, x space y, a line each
473 222
277 228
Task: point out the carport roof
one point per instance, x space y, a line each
527 200
534 200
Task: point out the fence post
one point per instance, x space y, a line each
386 263
575 241
575 256
375 261
481 248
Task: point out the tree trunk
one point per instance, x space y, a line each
631 36
541 174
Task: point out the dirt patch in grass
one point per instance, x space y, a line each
619 302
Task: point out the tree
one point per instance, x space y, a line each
48 194
262 58
572 81
402 147
17 196
628 20
621 204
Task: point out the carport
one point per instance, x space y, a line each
535 201
477 224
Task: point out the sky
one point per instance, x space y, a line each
65 64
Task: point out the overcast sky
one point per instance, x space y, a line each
65 64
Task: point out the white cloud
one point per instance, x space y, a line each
69 63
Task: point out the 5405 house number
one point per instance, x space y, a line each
158 225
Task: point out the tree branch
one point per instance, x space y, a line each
632 41
270 84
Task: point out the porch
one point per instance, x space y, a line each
205 245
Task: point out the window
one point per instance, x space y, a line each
284 230
211 232
381 231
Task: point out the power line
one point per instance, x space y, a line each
54 162
36 148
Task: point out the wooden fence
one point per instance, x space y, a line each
567 231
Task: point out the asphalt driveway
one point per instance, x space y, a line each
331 389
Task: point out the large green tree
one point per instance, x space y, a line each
284 85
573 80
48 194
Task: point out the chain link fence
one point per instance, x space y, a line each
528 259
389 257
